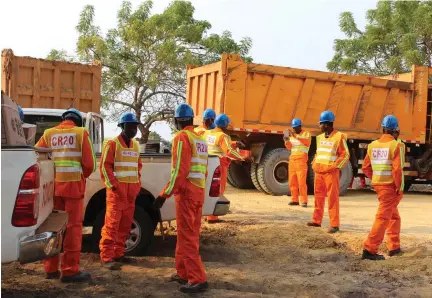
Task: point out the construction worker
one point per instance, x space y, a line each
187 183
299 143
120 169
208 122
74 160
220 144
383 164
331 156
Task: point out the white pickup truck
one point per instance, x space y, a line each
154 175
30 230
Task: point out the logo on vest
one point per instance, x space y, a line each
129 153
211 140
201 147
327 143
63 141
380 153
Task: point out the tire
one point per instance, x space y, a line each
240 175
230 179
254 178
407 184
273 172
142 238
344 180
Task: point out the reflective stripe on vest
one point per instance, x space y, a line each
198 168
66 145
327 148
212 138
298 148
381 156
126 162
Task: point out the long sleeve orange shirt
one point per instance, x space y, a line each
75 189
180 163
107 163
303 137
226 144
397 163
342 153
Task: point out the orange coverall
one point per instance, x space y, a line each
327 176
298 144
389 196
120 203
189 200
69 197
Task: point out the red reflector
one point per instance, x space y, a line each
215 184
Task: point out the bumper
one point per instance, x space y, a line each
222 206
47 242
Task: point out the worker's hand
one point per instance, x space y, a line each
158 203
249 159
240 144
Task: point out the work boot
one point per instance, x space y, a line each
210 221
394 252
79 277
304 205
293 203
333 230
125 260
312 224
111 265
194 288
175 277
370 256
53 275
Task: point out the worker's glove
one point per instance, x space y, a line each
158 203
249 159
240 144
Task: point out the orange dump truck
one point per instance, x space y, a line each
261 100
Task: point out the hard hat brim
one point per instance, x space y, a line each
133 122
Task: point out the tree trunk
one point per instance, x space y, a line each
145 132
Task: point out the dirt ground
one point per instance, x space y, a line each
264 249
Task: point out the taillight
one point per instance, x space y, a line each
215 184
26 208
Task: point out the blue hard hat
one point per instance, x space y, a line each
72 111
390 122
222 121
209 114
184 111
296 122
128 117
21 113
327 116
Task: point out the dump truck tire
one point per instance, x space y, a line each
240 175
344 180
230 181
273 172
254 178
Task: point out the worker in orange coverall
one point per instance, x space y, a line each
220 144
187 183
74 160
332 155
120 169
298 142
383 164
208 122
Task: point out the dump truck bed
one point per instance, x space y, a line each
265 98
38 83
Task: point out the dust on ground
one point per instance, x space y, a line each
264 249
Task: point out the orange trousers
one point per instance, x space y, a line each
386 219
297 179
70 258
189 204
224 165
327 185
120 208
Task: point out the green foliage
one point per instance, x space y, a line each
144 58
59 55
153 135
398 34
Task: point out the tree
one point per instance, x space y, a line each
398 34
59 55
153 135
144 58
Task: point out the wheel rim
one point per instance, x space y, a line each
134 237
280 172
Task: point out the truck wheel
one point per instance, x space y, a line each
140 237
254 178
273 172
407 184
230 180
240 175
344 180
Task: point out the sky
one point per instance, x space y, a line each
289 33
